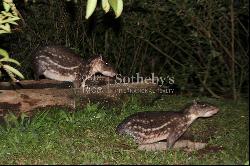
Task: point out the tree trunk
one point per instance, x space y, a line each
31 95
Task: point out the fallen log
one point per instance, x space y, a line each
46 93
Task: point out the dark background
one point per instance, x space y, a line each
190 41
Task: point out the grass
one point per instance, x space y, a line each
88 136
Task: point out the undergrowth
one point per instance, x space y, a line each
87 136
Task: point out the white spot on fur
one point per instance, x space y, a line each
160 127
56 64
56 76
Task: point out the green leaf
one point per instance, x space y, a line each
10 60
5 27
13 70
117 6
105 5
6 6
23 116
12 22
11 19
4 53
91 5
3 31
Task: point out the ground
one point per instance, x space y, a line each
87 136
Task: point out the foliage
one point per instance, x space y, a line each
88 136
117 6
10 70
216 28
6 18
203 44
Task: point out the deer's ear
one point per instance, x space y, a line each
101 57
